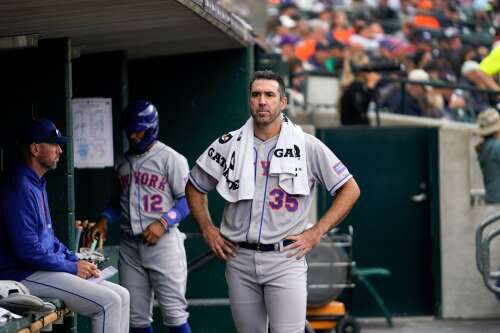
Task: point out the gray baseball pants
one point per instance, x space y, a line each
160 270
267 286
106 303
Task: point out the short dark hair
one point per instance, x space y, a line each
268 75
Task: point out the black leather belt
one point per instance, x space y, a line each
265 247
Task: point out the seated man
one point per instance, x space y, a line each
30 252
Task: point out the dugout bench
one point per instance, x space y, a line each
35 323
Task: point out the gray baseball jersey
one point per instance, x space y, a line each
273 214
150 184
268 285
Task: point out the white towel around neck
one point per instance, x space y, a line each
230 160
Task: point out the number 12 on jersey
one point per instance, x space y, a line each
152 203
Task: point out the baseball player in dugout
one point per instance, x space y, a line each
266 171
149 202
31 253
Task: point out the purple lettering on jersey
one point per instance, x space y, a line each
152 203
265 167
153 180
124 180
137 176
277 201
162 184
144 178
291 203
282 199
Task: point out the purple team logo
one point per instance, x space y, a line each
339 168
265 168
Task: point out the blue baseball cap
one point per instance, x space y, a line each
42 130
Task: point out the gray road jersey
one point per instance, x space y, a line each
273 214
150 184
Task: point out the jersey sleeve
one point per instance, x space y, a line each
202 180
20 211
326 168
177 174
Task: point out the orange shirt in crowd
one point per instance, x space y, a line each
342 34
426 21
305 49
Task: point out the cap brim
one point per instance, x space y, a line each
62 140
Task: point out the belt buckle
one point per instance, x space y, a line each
257 248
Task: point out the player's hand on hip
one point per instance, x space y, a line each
85 269
101 227
303 243
153 233
222 248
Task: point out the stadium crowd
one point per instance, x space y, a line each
370 44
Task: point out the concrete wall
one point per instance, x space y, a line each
464 294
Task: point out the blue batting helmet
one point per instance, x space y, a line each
141 116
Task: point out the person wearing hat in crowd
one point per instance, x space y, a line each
473 76
30 252
319 61
420 100
488 153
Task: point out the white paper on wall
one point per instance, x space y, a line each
92 132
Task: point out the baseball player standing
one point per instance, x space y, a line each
149 201
32 254
266 172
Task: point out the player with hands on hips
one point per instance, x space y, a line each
31 253
149 202
266 171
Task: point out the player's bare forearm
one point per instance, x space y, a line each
345 198
342 204
198 204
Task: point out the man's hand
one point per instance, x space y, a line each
85 269
100 228
222 248
153 233
303 243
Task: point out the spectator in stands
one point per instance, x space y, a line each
341 29
407 31
297 81
473 76
420 100
384 12
287 47
488 152
451 46
319 62
491 64
306 48
454 104
364 40
424 18
355 100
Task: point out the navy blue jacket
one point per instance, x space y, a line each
27 240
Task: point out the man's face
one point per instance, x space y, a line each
135 137
48 155
266 102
